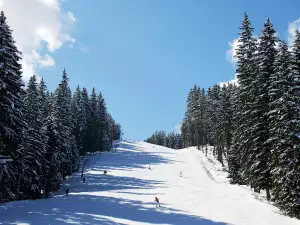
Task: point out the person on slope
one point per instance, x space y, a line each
180 173
156 200
83 179
105 172
67 191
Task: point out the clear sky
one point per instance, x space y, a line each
145 55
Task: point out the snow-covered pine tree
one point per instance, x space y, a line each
32 150
178 143
203 114
44 102
172 140
214 98
43 98
117 131
93 126
284 128
259 166
110 133
11 106
234 165
103 123
62 115
167 141
54 156
226 116
11 92
190 117
243 121
197 116
78 119
87 115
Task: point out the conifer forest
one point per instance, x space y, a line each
45 132
254 123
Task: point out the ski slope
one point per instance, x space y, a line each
126 194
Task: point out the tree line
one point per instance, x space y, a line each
209 119
45 133
170 140
256 123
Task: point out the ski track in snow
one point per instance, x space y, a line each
126 194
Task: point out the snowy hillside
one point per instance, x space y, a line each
126 194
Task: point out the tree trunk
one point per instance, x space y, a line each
83 166
1 172
268 194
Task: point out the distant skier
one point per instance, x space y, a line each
149 167
180 173
67 191
156 200
105 172
83 179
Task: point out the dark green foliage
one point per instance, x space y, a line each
259 168
170 140
254 125
45 133
241 153
284 128
11 92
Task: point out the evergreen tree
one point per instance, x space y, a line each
226 116
243 120
93 125
61 113
86 111
284 128
260 168
11 92
11 106
38 129
102 117
178 143
234 165
78 119
32 148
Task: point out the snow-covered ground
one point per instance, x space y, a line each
126 194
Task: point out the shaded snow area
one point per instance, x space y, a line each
219 173
211 165
126 194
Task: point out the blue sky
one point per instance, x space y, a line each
144 56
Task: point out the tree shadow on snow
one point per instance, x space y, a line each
85 205
111 183
83 209
127 157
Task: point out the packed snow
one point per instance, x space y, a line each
126 194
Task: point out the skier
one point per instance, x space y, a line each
105 172
67 191
180 173
83 179
157 202
149 167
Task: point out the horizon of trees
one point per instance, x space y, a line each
169 140
255 125
45 133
